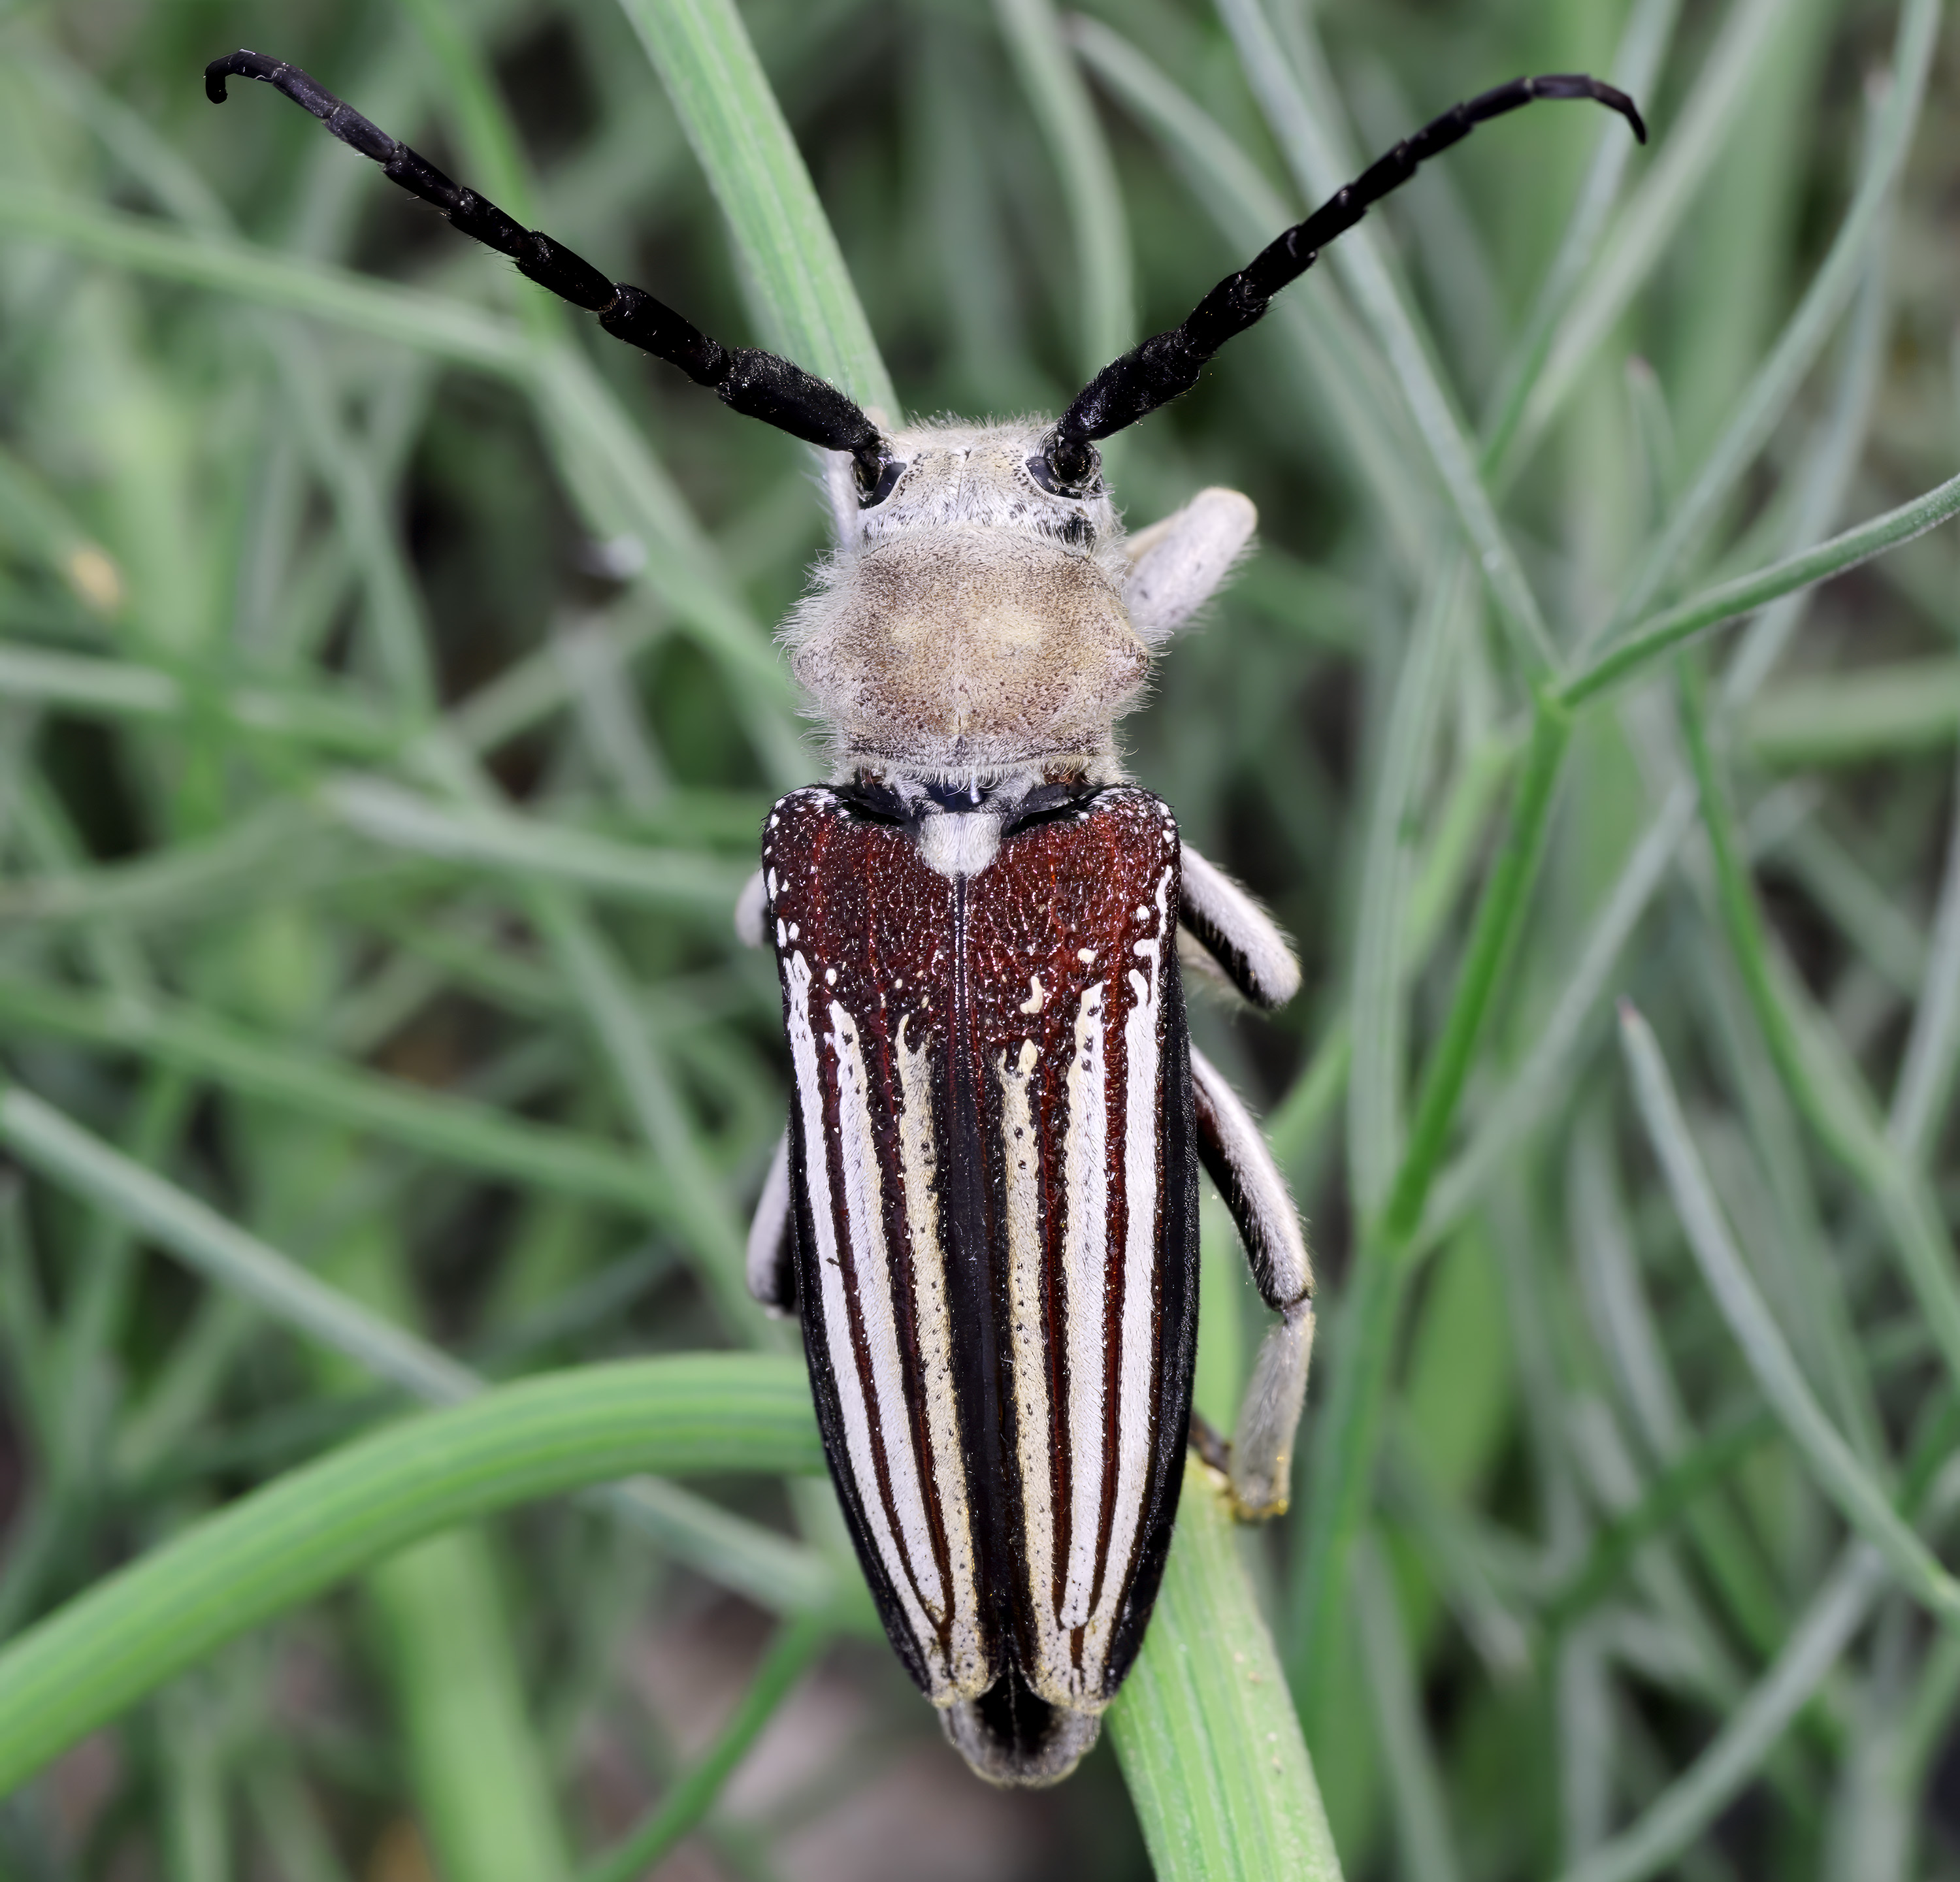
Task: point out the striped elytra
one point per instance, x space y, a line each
994 1209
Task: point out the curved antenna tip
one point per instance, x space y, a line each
238 64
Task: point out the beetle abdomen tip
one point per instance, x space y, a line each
1011 1735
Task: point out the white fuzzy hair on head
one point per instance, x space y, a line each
971 622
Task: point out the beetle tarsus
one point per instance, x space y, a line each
1260 1470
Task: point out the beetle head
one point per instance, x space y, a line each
971 620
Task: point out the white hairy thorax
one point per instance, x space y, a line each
972 627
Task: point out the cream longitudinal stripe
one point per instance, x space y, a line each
1027 1352
919 1163
1137 1368
871 1269
837 1320
1085 1290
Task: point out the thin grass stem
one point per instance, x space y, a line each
698 1415
796 1645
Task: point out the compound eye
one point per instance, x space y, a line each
1068 467
873 489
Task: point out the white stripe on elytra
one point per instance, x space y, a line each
1085 1290
871 1267
919 1163
1143 1113
836 1317
1051 1676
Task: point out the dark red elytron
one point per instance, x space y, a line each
995 1233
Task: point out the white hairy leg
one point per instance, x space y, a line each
1235 1155
771 1278
1179 564
752 912
1261 1472
1239 935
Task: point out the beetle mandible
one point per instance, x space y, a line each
984 1209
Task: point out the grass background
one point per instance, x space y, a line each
387 710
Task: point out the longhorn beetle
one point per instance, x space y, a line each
984 1210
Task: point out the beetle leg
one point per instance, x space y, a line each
771 1263
1177 565
1244 942
1235 1155
752 912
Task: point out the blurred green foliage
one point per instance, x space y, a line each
387 710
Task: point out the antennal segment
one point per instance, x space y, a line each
1153 373
756 384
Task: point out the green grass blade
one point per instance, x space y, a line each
702 52
1687 1477
1376 1081
427 322
480 1787
273 851
1925 1085
1789 1245
1776 381
1883 934
1348 1426
1833 1463
1345 372
482 836
1300 1116
1060 101
606 464
35 523
1524 1103
114 687
790 1655
1647 640
1423 1830
703 1213
335 719
45 1139
454 1129
1209 1744
1319 168
1644 44
1673 1821
729 1548
1823 482
1493 935
701 1414
24 1335
1820 1077
1892 709
1687 151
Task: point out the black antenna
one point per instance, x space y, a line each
1168 363
758 385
